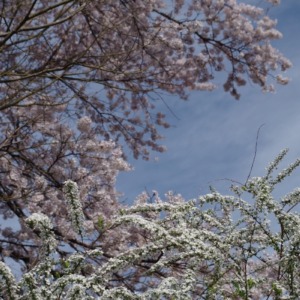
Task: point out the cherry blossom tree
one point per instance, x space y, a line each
109 59
79 79
213 247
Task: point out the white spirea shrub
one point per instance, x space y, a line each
214 247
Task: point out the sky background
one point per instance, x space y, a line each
214 136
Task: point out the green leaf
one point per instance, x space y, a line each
66 264
250 283
100 222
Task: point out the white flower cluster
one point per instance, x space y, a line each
75 208
42 224
7 282
84 124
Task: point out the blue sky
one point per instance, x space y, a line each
214 136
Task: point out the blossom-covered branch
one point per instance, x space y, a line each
213 247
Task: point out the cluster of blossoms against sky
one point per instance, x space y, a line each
79 82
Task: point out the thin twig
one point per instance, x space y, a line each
255 151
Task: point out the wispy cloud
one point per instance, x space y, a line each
215 135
